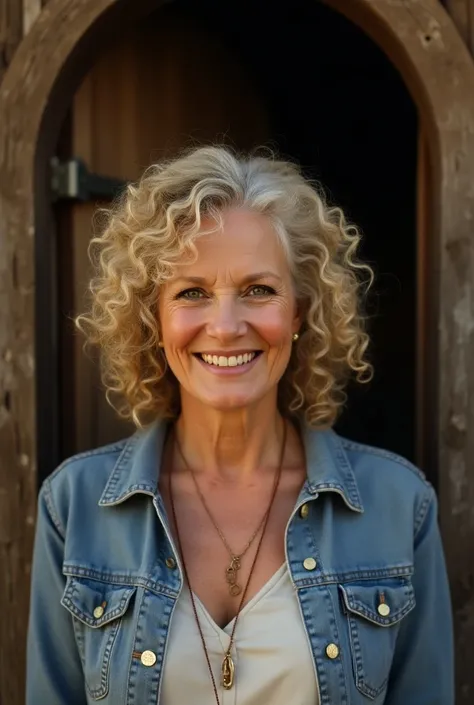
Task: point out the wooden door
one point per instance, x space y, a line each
425 360
162 86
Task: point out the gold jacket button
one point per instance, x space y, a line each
383 609
309 563
170 563
304 511
98 612
332 651
148 658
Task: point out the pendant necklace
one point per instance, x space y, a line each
231 572
228 666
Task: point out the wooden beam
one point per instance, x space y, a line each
462 13
31 10
17 486
11 31
426 47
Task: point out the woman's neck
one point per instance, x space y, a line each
230 446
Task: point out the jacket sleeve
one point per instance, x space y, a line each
54 671
423 669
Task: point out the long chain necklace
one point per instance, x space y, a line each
231 572
228 667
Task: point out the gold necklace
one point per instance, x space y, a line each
228 667
231 572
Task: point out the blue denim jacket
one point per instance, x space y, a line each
106 578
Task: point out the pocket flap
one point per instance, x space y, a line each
382 604
96 603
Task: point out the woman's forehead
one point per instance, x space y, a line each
244 238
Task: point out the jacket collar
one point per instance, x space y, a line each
138 466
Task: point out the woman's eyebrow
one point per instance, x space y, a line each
245 280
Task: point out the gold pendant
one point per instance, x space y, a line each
231 576
228 671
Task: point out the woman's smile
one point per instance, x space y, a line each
229 363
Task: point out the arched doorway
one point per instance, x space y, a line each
332 101
423 44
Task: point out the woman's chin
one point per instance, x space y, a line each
230 402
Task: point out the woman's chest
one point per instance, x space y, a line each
229 566
270 652
231 544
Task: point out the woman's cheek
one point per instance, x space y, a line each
273 323
183 326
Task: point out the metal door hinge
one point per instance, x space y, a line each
72 180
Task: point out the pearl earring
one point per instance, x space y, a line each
161 344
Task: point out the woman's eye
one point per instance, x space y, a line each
260 290
191 294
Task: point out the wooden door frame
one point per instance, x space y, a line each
422 42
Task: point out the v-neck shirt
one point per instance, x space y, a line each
271 652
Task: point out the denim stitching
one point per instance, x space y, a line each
361 609
328 578
423 511
104 671
114 476
48 498
349 475
103 450
141 487
361 683
137 646
340 489
132 581
68 601
341 657
79 640
70 593
381 453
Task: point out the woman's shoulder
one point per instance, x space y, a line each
370 477
374 459
83 477
384 477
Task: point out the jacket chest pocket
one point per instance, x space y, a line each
97 609
374 613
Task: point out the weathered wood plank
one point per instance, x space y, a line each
424 44
31 11
11 30
17 487
462 13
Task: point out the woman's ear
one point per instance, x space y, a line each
297 318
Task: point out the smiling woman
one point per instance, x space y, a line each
235 542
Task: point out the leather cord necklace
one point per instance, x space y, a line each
228 667
231 572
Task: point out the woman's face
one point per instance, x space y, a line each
227 320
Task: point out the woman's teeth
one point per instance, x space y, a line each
232 361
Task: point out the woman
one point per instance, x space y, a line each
235 549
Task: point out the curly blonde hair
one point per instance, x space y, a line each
155 224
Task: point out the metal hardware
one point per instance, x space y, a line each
72 180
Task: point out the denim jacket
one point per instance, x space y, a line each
106 576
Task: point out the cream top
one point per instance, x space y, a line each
271 652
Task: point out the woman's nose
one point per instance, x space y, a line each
225 321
